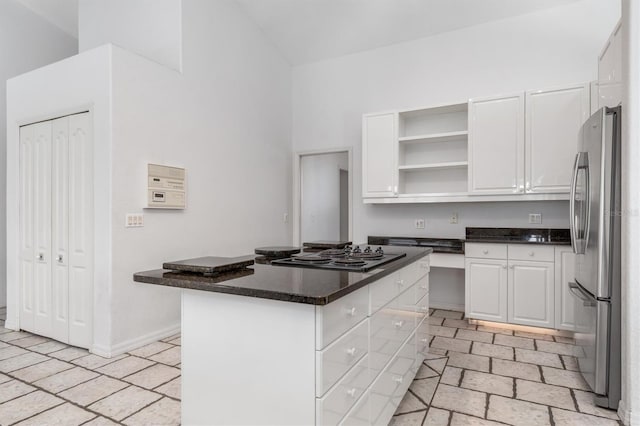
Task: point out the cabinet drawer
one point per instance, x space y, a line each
531 252
384 290
413 272
422 338
422 288
488 251
337 358
334 405
334 319
359 414
391 385
389 329
422 309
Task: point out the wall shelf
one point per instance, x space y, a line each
447 165
434 137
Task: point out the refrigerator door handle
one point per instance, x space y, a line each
578 292
572 203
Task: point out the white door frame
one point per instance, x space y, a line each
297 188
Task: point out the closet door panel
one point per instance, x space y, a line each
60 228
80 230
27 255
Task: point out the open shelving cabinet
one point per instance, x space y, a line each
433 151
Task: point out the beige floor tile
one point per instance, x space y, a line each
153 376
497 330
517 413
541 393
570 363
125 367
570 379
66 379
10 352
469 361
513 341
437 364
448 322
124 403
464 420
587 406
461 400
436 330
478 336
170 356
435 353
437 417
172 389
14 335
93 390
29 341
173 337
100 421
538 336
42 370
165 412
449 344
4 378
424 389
26 406
410 403
48 347
538 358
21 361
451 376
570 418
410 419
556 348
4 345
62 415
69 354
439 313
177 341
493 351
489 383
93 361
424 372
152 349
563 339
516 369
13 389
435 321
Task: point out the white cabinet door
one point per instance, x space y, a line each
531 293
379 158
486 289
496 145
610 71
564 273
553 121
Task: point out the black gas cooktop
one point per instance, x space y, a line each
348 259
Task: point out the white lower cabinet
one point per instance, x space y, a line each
531 293
522 284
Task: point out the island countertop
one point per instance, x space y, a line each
290 284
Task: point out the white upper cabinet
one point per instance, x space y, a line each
496 145
610 71
553 121
379 148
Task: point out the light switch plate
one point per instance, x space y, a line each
535 218
134 220
419 223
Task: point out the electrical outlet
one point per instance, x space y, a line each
535 218
419 223
134 220
453 218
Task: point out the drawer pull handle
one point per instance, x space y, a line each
504 266
424 340
351 351
398 324
424 287
400 283
531 253
351 312
352 392
424 308
485 251
398 379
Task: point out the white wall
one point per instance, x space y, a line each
151 28
320 213
26 42
547 48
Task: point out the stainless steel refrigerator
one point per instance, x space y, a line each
595 237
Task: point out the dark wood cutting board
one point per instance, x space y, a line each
210 265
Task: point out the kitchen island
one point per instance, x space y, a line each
282 345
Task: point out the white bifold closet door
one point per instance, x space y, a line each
56 229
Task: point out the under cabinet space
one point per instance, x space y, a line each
436 180
436 151
433 122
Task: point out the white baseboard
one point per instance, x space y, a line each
131 344
447 306
626 416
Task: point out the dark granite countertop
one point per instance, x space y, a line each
439 245
519 236
299 285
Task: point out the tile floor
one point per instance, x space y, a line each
473 375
